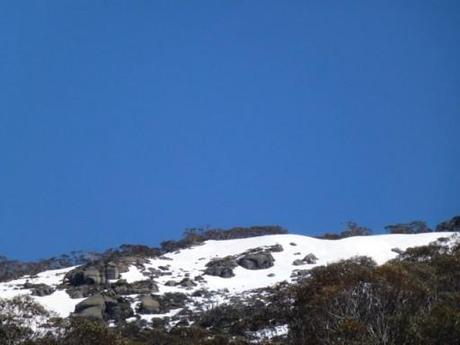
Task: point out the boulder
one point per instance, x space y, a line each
149 305
187 283
310 259
99 273
298 262
118 309
102 307
93 313
256 261
221 267
97 300
93 275
89 275
171 283
139 288
111 271
39 289
276 248
398 251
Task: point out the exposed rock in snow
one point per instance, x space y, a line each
197 277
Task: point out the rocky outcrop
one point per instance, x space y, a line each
187 283
100 273
309 259
93 307
256 261
111 271
253 259
102 307
221 267
149 305
276 248
89 275
39 289
121 287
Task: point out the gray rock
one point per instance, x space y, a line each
102 307
277 248
221 267
89 275
97 300
111 271
92 275
310 259
256 261
39 289
139 288
397 251
149 305
299 274
298 262
187 283
93 313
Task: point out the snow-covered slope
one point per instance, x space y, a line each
192 261
191 264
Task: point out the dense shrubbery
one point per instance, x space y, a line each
352 229
415 227
18 318
413 300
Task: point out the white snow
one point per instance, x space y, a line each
59 302
133 275
269 333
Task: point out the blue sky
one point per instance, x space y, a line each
128 121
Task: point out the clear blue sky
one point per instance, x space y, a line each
128 121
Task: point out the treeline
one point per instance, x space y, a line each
414 227
195 236
13 269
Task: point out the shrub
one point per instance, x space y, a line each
415 227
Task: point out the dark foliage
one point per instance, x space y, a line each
415 227
352 229
195 236
413 300
452 225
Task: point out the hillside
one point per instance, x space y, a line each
178 288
